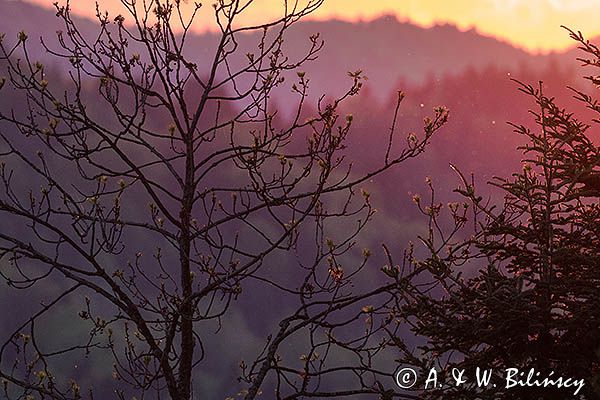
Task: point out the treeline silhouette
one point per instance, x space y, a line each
476 139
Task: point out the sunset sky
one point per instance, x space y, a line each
532 24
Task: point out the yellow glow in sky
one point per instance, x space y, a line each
532 24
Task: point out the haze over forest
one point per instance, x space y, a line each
469 73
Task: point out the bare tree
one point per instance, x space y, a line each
165 185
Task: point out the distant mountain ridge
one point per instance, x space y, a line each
387 50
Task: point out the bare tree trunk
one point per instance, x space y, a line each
187 310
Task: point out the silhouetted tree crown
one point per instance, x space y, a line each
158 198
533 299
